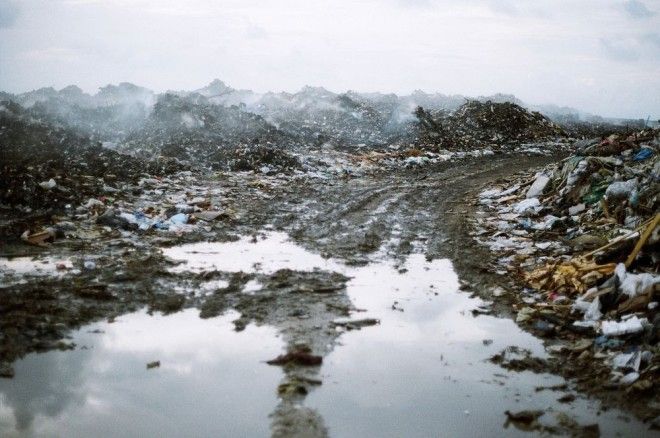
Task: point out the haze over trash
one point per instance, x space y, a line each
600 57
305 218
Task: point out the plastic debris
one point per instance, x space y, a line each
643 154
593 312
48 185
576 209
622 189
627 361
538 186
629 378
635 284
526 205
630 325
590 264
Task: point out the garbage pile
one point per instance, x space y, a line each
191 129
174 203
221 128
596 127
477 123
583 236
107 116
265 159
45 166
185 206
313 130
317 116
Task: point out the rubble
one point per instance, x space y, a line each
581 236
45 166
476 124
192 129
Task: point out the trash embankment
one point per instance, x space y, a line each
480 124
47 167
222 129
191 129
582 235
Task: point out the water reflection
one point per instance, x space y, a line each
212 381
46 385
424 371
16 270
421 372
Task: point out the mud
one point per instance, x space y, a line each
350 221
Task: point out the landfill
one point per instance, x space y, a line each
580 238
106 199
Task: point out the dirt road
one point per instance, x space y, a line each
351 220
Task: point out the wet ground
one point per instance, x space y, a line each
362 290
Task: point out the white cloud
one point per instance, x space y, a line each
637 9
537 50
9 10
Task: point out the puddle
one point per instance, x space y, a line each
423 371
15 270
251 287
265 255
212 285
211 381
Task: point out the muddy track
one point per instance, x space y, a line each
429 211
402 212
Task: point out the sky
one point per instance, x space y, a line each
600 56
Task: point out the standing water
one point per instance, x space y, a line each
422 371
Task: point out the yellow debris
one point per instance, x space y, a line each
572 277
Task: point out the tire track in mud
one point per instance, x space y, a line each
431 209
417 210
423 209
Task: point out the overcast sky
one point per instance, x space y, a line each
601 56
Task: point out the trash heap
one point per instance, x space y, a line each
175 203
478 124
316 116
45 166
583 236
184 207
192 129
221 128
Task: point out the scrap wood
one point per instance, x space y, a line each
618 239
642 240
635 304
576 274
604 207
38 239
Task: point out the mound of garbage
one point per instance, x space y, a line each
478 123
221 128
583 235
106 116
45 166
505 122
317 116
192 129
349 121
